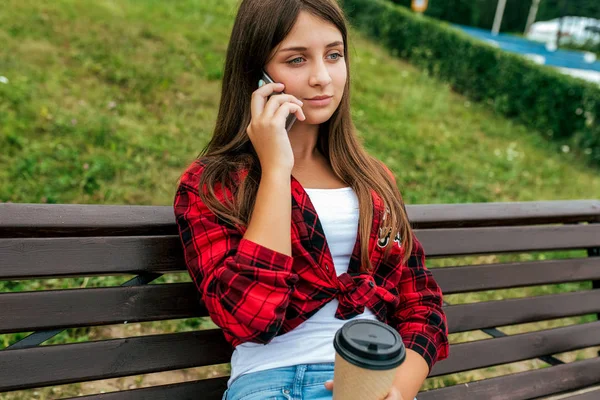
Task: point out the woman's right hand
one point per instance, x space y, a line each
267 127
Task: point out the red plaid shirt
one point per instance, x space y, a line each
254 293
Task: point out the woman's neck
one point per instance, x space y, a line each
304 139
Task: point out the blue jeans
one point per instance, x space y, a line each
299 382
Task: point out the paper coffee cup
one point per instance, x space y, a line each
367 355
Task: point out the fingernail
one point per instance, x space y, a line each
261 83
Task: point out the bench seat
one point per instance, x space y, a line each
62 241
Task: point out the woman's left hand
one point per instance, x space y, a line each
394 394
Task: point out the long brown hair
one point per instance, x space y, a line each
259 27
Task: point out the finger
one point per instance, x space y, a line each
260 95
394 394
287 109
275 102
299 112
329 385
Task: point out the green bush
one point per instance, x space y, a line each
563 108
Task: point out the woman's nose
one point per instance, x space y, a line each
320 76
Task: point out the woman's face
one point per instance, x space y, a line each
310 63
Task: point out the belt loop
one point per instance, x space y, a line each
298 381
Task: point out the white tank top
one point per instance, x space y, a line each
311 341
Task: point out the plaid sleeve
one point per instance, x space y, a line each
419 317
245 287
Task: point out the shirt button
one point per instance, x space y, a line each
372 284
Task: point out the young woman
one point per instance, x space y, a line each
289 235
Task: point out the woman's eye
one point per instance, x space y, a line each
294 60
336 54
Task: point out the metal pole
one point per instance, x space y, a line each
532 14
563 11
498 17
559 32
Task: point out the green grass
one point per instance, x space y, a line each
108 101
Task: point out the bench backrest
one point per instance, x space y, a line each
54 241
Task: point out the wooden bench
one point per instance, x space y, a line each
54 241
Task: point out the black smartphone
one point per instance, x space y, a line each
292 117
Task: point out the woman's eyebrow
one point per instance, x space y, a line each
299 48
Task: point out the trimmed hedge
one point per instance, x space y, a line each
563 108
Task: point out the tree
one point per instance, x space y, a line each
480 13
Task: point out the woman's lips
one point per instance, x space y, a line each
319 102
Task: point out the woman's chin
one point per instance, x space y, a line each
318 117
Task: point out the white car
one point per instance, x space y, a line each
577 30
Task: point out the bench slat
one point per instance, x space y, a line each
503 214
28 368
591 395
70 363
54 220
504 350
39 257
28 311
524 385
503 276
47 220
489 314
207 389
467 241
42 257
